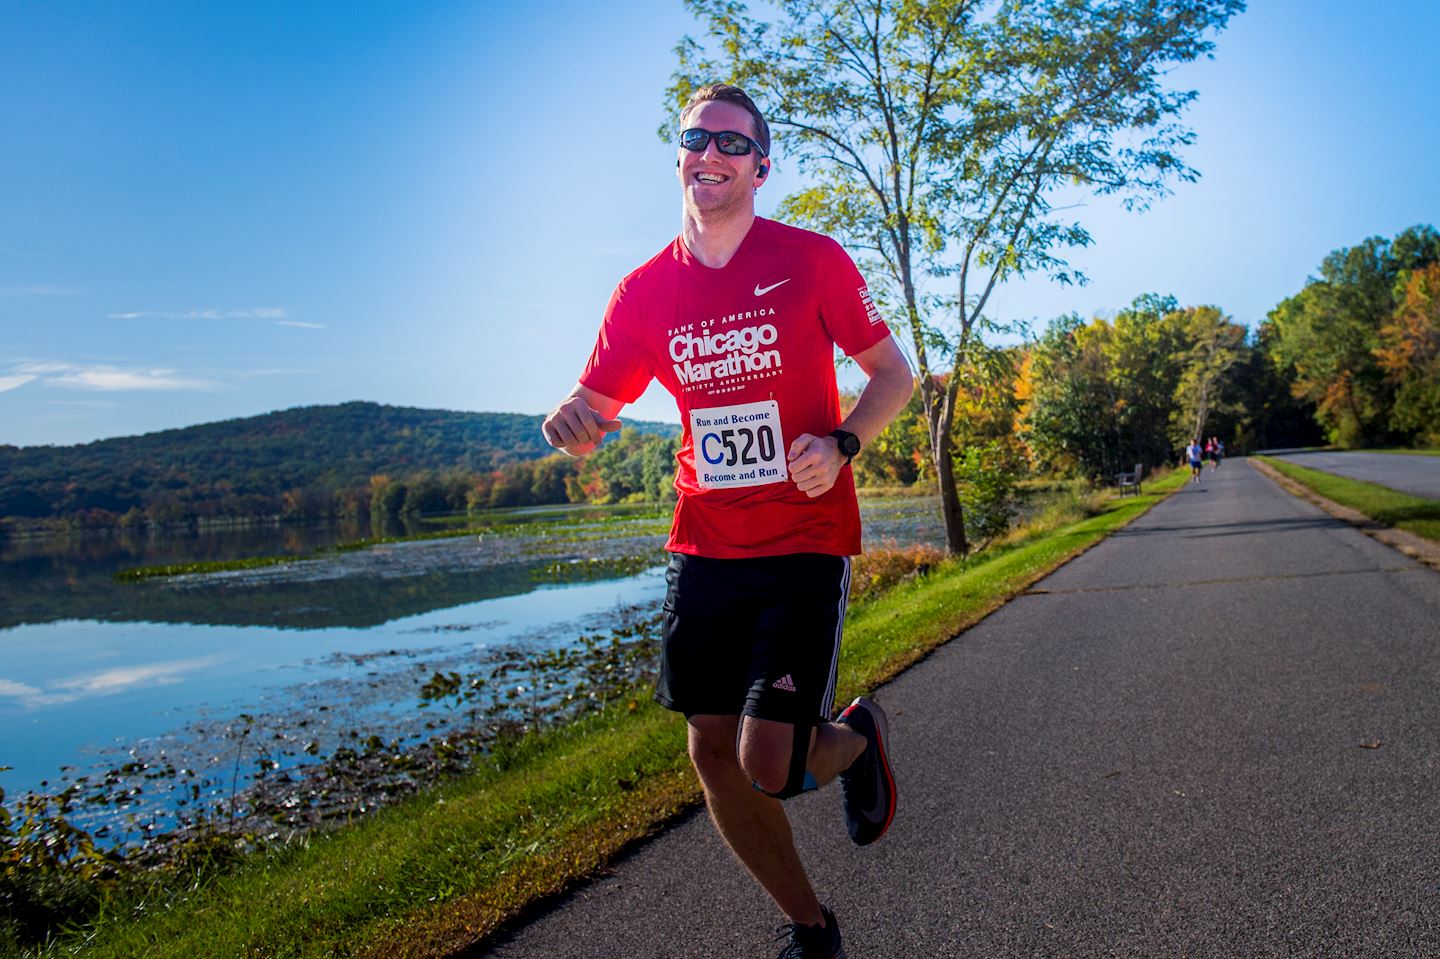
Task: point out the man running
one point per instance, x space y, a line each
738 318
1195 453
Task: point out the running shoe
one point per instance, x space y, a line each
868 785
811 942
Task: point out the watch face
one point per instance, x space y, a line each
849 442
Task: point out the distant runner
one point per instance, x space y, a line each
1195 455
738 318
1217 452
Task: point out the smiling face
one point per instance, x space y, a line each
717 184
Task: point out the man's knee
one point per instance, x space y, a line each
774 756
712 747
767 769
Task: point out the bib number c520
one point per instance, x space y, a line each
738 445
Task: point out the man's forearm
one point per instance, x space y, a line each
882 399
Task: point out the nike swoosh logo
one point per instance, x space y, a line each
876 812
762 290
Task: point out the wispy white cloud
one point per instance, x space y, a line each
41 367
259 313
14 381
111 380
106 682
100 378
300 325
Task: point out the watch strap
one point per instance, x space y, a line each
849 443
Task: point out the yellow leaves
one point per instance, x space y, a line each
1410 341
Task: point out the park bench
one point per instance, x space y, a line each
1130 481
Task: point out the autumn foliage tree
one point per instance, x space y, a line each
1409 353
1328 337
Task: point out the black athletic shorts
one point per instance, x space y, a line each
759 637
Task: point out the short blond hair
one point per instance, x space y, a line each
728 93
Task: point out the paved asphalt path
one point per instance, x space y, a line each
1160 751
1416 475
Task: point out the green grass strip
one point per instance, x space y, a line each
454 861
442 871
1401 510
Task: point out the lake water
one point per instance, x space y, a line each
94 672
90 667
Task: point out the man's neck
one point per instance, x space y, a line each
714 240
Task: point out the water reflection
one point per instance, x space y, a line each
56 578
354 602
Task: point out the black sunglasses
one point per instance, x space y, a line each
726 141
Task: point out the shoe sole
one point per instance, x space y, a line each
882 736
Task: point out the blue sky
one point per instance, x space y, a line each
211 210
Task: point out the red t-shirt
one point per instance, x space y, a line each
748 353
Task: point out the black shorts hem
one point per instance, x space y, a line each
758 637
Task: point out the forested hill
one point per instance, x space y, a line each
243 466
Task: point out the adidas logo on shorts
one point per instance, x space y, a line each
784 683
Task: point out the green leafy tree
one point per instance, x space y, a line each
425 495
633 467
1104 395
1216 345
1267 413
1327 337
388 498
897 456
987 474
657 468
936 136
547 479
1068 422
1143 352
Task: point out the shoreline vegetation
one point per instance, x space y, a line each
444 866
506 524
559 571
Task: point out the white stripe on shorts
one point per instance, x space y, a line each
827 702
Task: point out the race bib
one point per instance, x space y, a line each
738 445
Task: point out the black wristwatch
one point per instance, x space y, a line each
849 443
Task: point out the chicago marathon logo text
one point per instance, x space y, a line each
720 354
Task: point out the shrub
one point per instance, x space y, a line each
877 570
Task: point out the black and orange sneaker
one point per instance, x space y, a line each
868 784
811 942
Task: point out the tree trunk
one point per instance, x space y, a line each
942 452
1202 413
